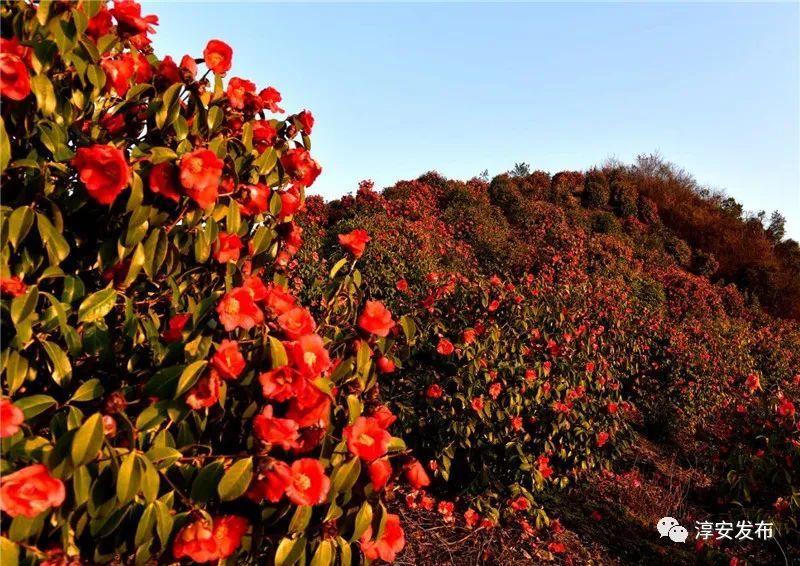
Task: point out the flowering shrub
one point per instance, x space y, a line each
166 396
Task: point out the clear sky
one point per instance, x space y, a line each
400 89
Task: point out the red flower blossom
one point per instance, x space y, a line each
495 389
263 135
255 199
119 69
189 66
516 423
384 416
310 408
434 391
255 286
272 483
218 56
417 476
163 181
237 309
355 242
367 439
103 170
202 543
385 365
544 466
300 167
228 532
402 285
227 247
201 171
297 322
445 347
786 408
290 202
228 360
753 382
391 541
271 97
168 71
175 326
237 91
99 24
278 300
520 504
309 356
130 21
477 403
611 407
280 432
375 319
11 417
306 120
471 518
281 383
30 491
379 473
309 485
12 286
205 392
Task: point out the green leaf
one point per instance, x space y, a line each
354 408
97 305
163 457
189 377
62 369
19 224
169 102
300 519
16 371
164 521
34 405
337 266
345 476
324 554
233 220
147 521
289 551
54 242
9 552
24 305
45 94
363 521
205 484
88 391
129 478
87 441
5 147
236 480
151 481
277 353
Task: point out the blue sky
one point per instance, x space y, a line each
400 89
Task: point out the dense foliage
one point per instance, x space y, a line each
165 395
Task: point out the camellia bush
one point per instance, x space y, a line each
165 395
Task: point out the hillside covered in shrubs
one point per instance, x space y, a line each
201 363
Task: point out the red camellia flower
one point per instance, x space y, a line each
189 66
99 24
254 199
119 70
109 426
471 518
297 322
201 171
379 473
218 56
228 360
202 543
263 135
280 432
602 438
130 21
388 545
11 417
544 466
271 97
434 391
354 242
445 347
168 71
385 365
300 166
227 247
237 309
306 120
163 181
417 476
309 356
205 392
175 326
12 286
520 504
375 319
15 83
402 285
311 407
516 423
103 170
384 416
272 483
495 389
278 300
611 407
786 408
30 491
281 383
367 439
309 485
477 403
753 382
237 91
